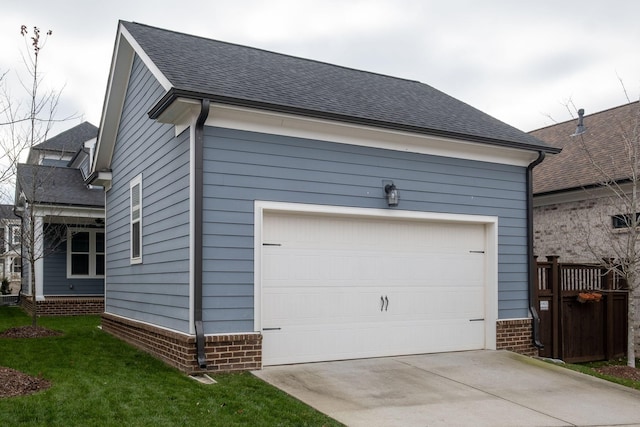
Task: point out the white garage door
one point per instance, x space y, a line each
351 287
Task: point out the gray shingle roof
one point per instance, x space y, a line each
71 140
6 212
606 137
57 185
247 76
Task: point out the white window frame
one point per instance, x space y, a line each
15 231
92 253
17 262
135 217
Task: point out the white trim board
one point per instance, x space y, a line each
491 236
182 110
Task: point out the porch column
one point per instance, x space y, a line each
38 250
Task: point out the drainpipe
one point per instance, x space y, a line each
197 238
531 265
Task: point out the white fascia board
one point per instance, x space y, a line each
577 195
68 211
181 112
162 79
124 51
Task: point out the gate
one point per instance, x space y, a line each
583 311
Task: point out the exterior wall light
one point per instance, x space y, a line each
392 194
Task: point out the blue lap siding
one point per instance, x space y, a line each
241 167
156 291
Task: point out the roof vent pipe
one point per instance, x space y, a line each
580 129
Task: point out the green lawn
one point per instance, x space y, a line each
101 381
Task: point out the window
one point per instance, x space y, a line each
85 253
624 221
15 236
16 266
135 196
3 241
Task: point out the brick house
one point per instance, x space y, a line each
576 217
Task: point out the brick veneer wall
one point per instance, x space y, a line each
224 353
516 335
64 306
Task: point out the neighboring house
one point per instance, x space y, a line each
575 216
66 242
265 209
10 264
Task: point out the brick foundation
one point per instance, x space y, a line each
515 335
224 353
64 306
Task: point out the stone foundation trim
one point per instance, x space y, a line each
516 335
63 306
224 353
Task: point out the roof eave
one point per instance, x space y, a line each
172 95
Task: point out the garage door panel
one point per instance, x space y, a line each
343 287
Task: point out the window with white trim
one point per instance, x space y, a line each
15 235
16 266
135 228
85 253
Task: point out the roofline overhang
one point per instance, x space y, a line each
76 211
575 194
597 185
101 178
174 94
124 51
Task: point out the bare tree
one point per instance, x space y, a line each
618 173
26 124
25 121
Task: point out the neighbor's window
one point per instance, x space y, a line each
85 253
15 235
16 266
135 196
624 221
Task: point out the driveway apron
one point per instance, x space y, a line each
472 388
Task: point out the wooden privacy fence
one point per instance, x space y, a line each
583 311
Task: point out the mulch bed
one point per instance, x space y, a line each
15 383
620 371
29 332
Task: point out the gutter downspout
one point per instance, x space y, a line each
197 238
531 265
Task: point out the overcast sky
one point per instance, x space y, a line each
519 61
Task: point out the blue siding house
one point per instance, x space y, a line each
264 209
62 217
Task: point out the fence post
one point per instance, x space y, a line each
556 291
609 281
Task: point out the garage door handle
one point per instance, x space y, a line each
384 303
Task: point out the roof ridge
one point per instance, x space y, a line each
317 61
588 115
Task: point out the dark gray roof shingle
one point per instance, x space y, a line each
242 75
71 140
57 185
6 212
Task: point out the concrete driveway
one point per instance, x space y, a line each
474 388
